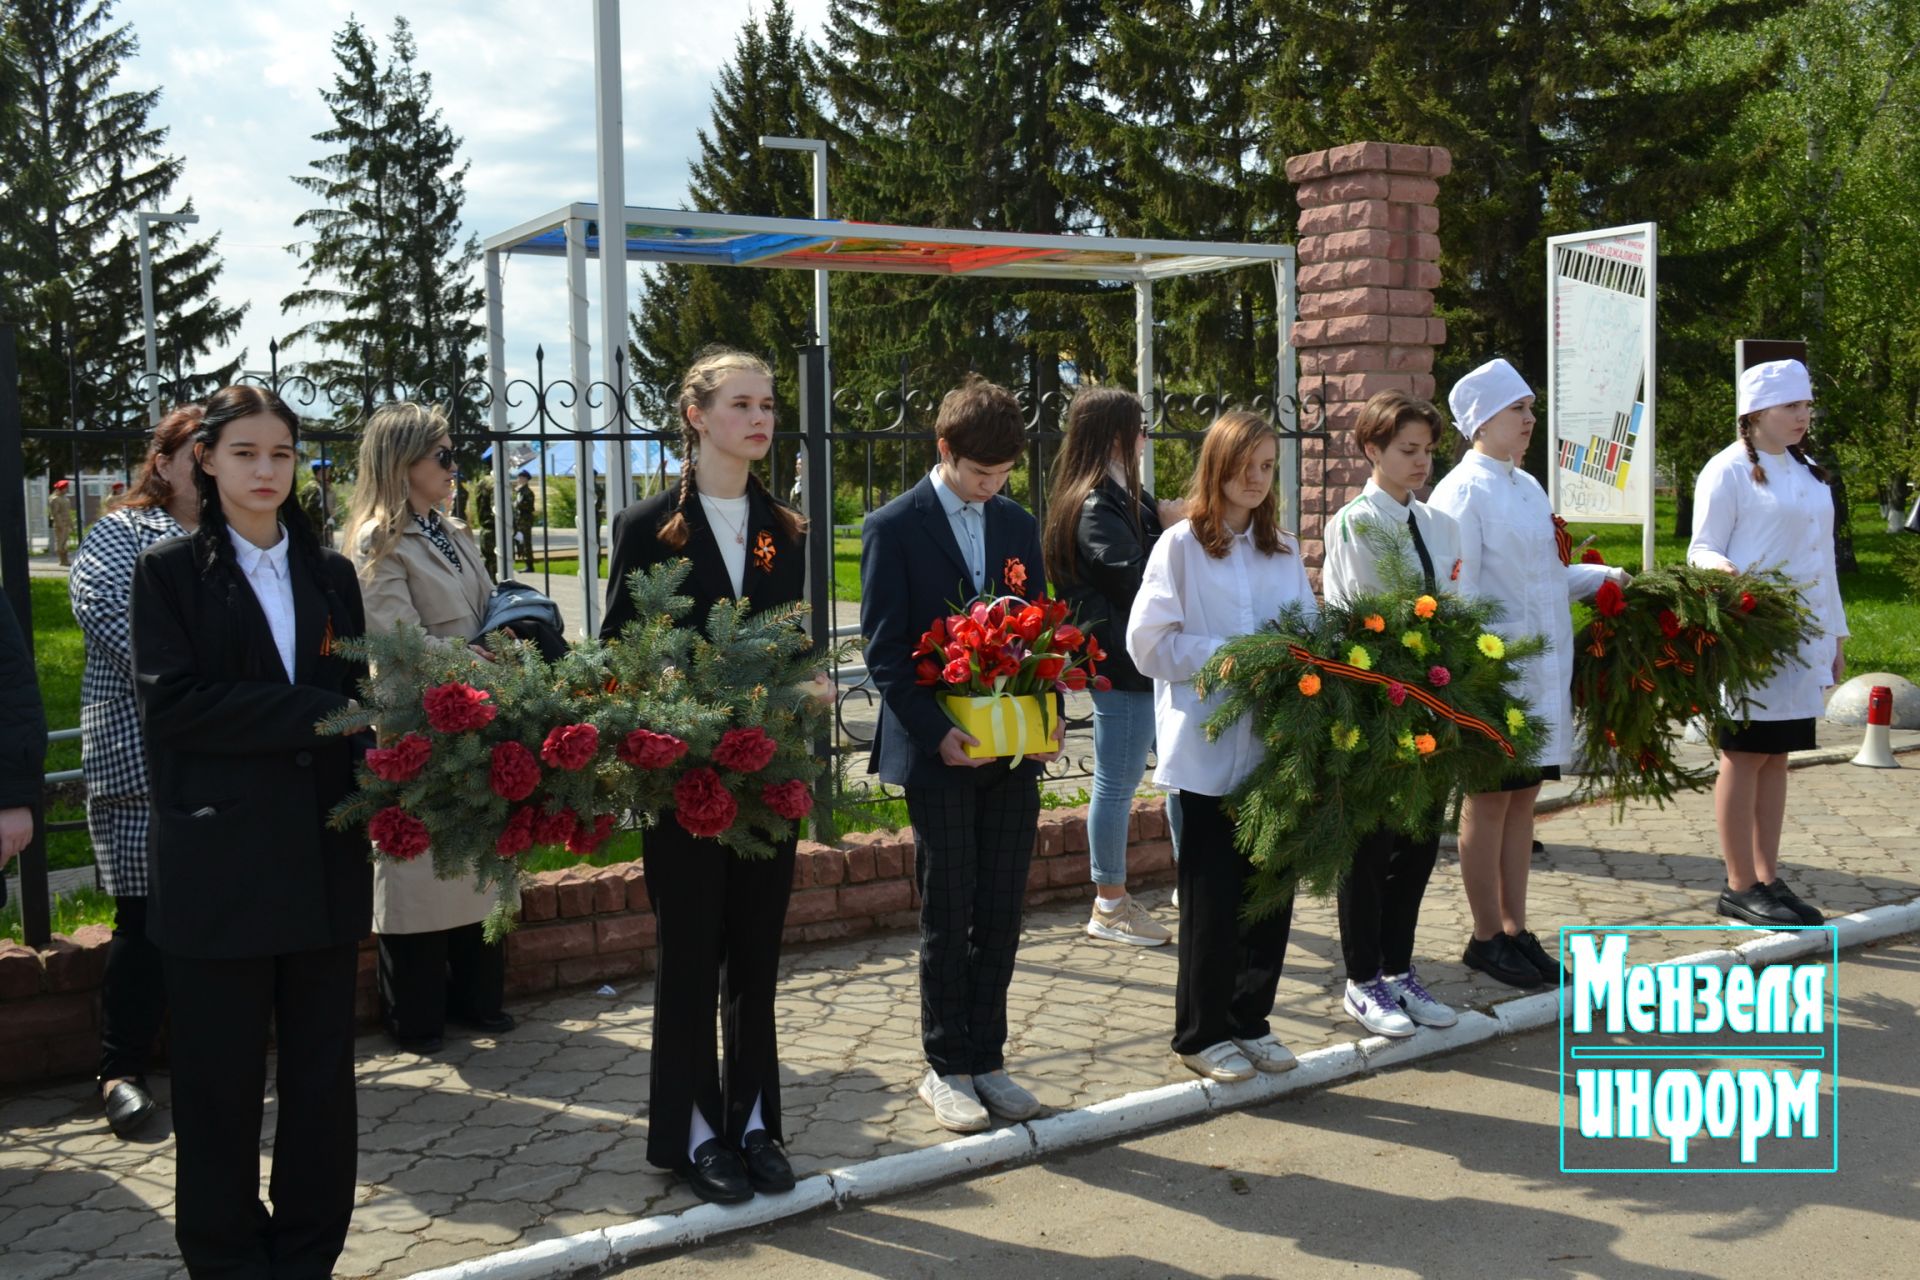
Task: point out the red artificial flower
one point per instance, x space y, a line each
517 836
702 804
1592 556
926 672
791 800
402 761
1029 623
397 833
1747 602
934 639
457 708
1101 684
1439 677
570 746
1049 669
554 828
1067 638
1014 574
1074 678
1094 652
958 671
1669 623
1396 693
1610 600
1057 611
645 749
586 842
745 750
515 773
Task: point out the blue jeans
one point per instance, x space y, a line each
1122 736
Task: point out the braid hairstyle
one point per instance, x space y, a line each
1798 452
711 367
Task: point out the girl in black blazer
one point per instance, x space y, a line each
257 907
716 1122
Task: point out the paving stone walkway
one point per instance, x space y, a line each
497 1144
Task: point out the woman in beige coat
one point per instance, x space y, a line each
419 566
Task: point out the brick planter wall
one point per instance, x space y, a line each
578 926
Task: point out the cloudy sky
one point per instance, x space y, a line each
241 82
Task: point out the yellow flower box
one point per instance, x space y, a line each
1012 724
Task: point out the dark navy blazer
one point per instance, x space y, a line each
911 572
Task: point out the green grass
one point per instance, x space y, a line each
625 846
84 906
59 656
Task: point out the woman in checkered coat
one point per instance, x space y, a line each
162 504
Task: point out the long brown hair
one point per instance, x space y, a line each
1102 423
175 432
1229 442
1753 455
711 367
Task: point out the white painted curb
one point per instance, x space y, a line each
1115 1118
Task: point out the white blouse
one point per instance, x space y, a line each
266 572
725 516
1352 566
1188 606
1506 535
1786 522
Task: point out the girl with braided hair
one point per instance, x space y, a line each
1758 503
714 1118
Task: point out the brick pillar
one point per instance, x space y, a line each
1368 268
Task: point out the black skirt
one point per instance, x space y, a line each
1532 778
1768 737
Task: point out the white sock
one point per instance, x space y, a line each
699 1133
756 1120
1110 905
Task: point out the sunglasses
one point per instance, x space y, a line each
444 457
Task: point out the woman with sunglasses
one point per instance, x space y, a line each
420 566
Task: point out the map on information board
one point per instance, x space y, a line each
1600 300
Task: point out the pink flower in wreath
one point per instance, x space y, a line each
403 761
458 708
398 834
570 746
514 773
1439 677
1396 693
745 750
793 800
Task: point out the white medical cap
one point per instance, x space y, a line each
1483 393
1775 382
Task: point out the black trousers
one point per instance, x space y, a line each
133 995
221 1013
1229 968
1379 901
426 976
972 847
720 916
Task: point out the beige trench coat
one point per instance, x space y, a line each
415 583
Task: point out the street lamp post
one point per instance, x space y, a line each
819 149
141 219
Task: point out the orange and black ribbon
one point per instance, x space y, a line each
1562 540
1421 696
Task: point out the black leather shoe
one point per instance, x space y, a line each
1756 906
716 1174
767 1166
493 1024
1808 913
1500 960
425 1046
1550 970
128 1106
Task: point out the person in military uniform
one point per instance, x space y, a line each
482 521
319 503
60 519
523 518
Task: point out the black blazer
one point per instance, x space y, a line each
23 719
241 860
637 545
911 572
1113 559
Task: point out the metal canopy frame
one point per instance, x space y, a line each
802 244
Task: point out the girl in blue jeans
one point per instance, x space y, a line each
1100 526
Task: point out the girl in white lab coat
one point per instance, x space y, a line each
1761 502
1507 535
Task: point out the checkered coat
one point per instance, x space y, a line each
111 753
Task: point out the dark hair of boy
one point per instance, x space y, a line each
1388 412
981 422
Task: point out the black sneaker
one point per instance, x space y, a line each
1756 906
1536 955
1500 960
1808 913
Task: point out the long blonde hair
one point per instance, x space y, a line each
1229 442
396 436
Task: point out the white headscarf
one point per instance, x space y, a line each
1483 393
1775 382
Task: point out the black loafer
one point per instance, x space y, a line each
1550 970
128 1106
493 1024
1500 960
767 1166
1808 913
716 1174
1756 906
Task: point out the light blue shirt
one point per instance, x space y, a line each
969 521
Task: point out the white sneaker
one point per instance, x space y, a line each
1375 1006
1130 923
1004 1098
954 1105
1268 1054
1418 1001
1176 896
1222 1062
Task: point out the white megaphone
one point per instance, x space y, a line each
1876 750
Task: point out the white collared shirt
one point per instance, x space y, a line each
1189 605
1352 566
266 571
969 521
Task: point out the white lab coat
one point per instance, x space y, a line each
1352 567
1189 605
1785 523
1506 536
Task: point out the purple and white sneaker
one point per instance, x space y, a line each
1418 1001
1374 1006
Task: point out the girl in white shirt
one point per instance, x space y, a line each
1507 535
1223 572
1761 502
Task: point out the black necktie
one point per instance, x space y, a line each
1420 549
